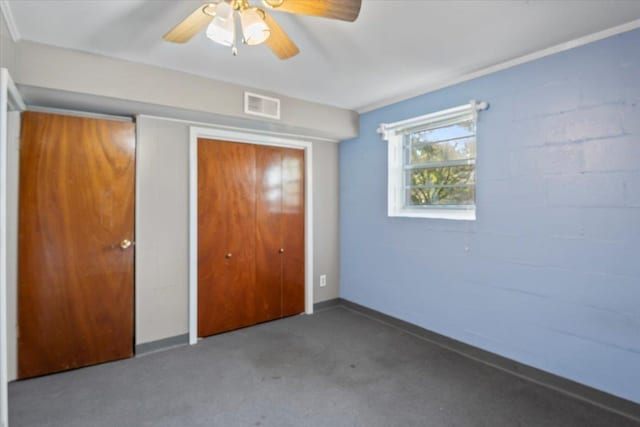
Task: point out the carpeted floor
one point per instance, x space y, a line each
335 368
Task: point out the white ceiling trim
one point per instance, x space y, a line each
629 26
5 7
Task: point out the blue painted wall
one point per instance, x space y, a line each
549 274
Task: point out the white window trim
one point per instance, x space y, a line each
393 133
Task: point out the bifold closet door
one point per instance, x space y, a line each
226 236
75 257
279 232
292 218
250 234
269 229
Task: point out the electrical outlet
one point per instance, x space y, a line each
323 280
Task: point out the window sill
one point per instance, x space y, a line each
453 214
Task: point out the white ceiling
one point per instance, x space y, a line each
394 48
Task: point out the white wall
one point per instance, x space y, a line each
7 48
54 68
162 229
326 219
162 226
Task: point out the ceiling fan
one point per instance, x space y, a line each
254 24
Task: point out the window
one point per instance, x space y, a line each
432 164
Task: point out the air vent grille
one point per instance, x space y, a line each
260 105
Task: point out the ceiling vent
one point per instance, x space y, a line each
260 105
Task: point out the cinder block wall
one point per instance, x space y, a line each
549 273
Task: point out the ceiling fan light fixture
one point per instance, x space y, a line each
224 11
222 31
254 29
230 21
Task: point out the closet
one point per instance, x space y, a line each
250 234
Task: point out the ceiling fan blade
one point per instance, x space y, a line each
345 10
184 31
278 40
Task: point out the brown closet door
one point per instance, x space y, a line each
269 228
75 291
226 235
293 205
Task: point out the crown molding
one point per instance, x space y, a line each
432 87
5 7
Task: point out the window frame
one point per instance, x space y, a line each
394 134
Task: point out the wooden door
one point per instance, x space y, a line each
280 232
251 250
269 226
226 236
75 291
293 206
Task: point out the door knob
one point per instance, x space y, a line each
228 255
281 250
125 244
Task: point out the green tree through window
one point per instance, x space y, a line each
440 166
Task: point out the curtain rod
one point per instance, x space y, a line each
473 106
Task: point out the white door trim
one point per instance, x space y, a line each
249 137
10 100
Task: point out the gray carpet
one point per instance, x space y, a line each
335 368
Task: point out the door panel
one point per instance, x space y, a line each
269 240
293 207
75 291
226 236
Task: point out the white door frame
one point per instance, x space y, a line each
10 100
249 137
